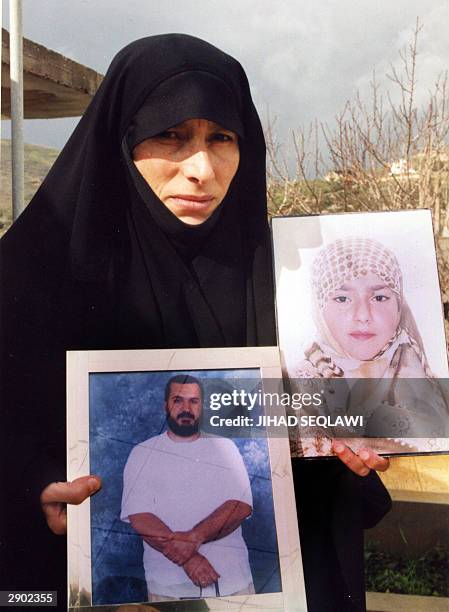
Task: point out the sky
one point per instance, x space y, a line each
304 58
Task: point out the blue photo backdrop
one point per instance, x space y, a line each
125 409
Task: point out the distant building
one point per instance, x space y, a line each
340 176
399 168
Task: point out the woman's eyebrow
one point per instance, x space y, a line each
344 288
371 287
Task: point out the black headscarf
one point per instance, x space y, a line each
93 263
179 268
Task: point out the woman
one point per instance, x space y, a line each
150 231
365 329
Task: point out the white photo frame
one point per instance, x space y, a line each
313 259
261 363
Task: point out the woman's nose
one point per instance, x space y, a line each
362 311
199 166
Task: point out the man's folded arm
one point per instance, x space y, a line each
154 531
180 546
222 521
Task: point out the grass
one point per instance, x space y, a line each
426 575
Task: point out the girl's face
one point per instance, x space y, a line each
190 167
362 316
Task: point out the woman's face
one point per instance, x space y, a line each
190 167
362 316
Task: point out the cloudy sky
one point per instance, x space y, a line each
304 58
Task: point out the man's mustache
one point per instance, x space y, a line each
185 415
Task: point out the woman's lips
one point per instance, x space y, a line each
192 201
362 335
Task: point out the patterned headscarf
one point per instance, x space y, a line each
350 258
343 261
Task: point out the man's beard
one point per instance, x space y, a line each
179 429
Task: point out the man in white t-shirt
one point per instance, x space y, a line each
187 495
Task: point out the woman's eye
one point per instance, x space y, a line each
341 299
170 135
223 137
381 298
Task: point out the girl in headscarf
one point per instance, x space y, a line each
366 330
365 327
119 251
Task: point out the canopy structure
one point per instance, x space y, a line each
54 86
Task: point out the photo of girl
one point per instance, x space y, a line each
365 327
360 327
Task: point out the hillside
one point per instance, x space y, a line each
38 161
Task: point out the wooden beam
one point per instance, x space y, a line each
392 602
54 86
420 479
422 497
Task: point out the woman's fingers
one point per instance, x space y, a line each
373 460
362 462
73 492
56 517
57 494
354 463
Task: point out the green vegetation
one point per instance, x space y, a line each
353 193
301 197
389 573
38 161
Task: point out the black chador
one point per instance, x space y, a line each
97 262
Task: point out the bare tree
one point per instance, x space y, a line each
382 153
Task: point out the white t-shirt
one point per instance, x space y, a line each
182 483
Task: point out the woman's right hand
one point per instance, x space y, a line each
56 496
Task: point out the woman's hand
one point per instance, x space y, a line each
56 496
361 462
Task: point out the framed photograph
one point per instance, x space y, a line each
360 318
197 505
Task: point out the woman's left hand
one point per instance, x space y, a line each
363 461
56 496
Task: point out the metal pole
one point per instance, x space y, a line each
1 51
16 72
